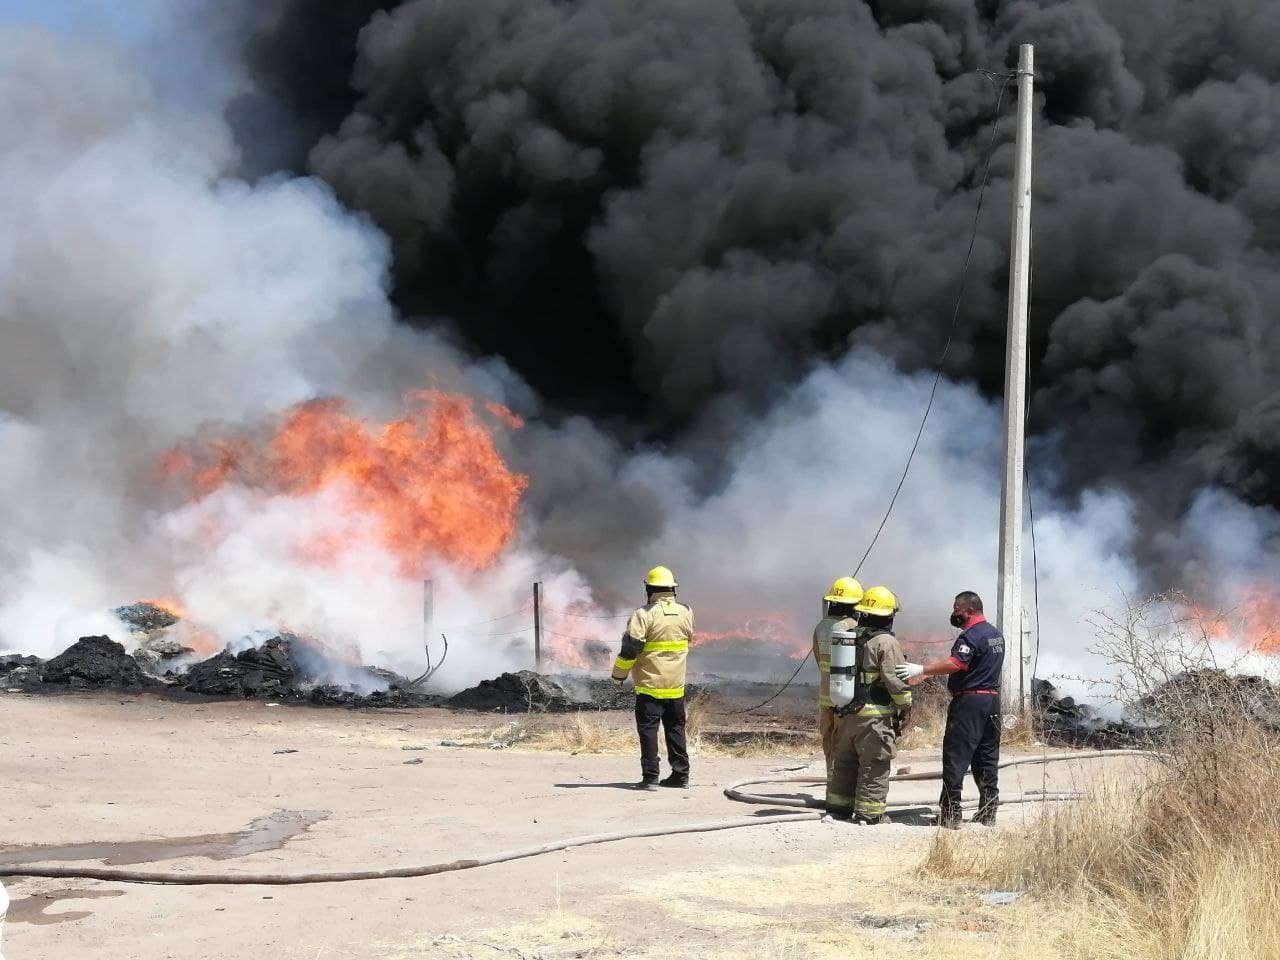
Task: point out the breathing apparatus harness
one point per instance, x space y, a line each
851 689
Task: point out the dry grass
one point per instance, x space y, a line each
1177 865
928 717
613 733
588 733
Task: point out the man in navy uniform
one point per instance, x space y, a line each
972 738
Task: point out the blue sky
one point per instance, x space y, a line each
123 19
163 39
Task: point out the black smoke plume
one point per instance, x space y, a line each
667 212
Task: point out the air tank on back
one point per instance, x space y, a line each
844 667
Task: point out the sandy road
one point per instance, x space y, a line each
192 777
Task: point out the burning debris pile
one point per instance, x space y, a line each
274 670
1199 693
1067 720
266 670
149 623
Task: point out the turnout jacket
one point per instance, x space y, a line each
876 659
655 647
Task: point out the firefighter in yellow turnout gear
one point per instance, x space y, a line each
871 704
840 615
655 651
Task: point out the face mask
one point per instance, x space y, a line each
959 619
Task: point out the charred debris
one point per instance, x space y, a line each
286 668
282 668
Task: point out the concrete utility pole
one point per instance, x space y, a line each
1009 604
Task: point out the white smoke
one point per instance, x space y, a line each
146 297
813 481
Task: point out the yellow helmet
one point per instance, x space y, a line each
660 577
879 602
844 590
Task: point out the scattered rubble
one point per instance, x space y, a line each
97 662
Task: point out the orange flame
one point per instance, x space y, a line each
169 605
773 632
432 481
1254 624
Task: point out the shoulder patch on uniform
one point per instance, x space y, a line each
964 648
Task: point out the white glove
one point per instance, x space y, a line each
909 671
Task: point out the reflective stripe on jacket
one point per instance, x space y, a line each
655 647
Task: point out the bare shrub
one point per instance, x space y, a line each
1183 855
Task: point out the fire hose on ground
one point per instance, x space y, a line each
733 791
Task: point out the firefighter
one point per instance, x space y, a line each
840 615
872 706
972 737
655 650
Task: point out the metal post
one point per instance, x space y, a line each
1009 605
537 627
428 616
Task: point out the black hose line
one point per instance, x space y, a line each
733 792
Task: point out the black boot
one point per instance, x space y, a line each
678 780
645 784
987 805
949 817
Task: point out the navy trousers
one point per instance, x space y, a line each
650 712
971 742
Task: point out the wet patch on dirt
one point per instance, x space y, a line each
264 833
35 908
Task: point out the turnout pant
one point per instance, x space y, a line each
859 781
650 711
971 741
827 731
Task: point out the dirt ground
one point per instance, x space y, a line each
207 787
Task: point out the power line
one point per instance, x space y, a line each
484 623
565 636
955 313
586 616
1005 78
492 636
